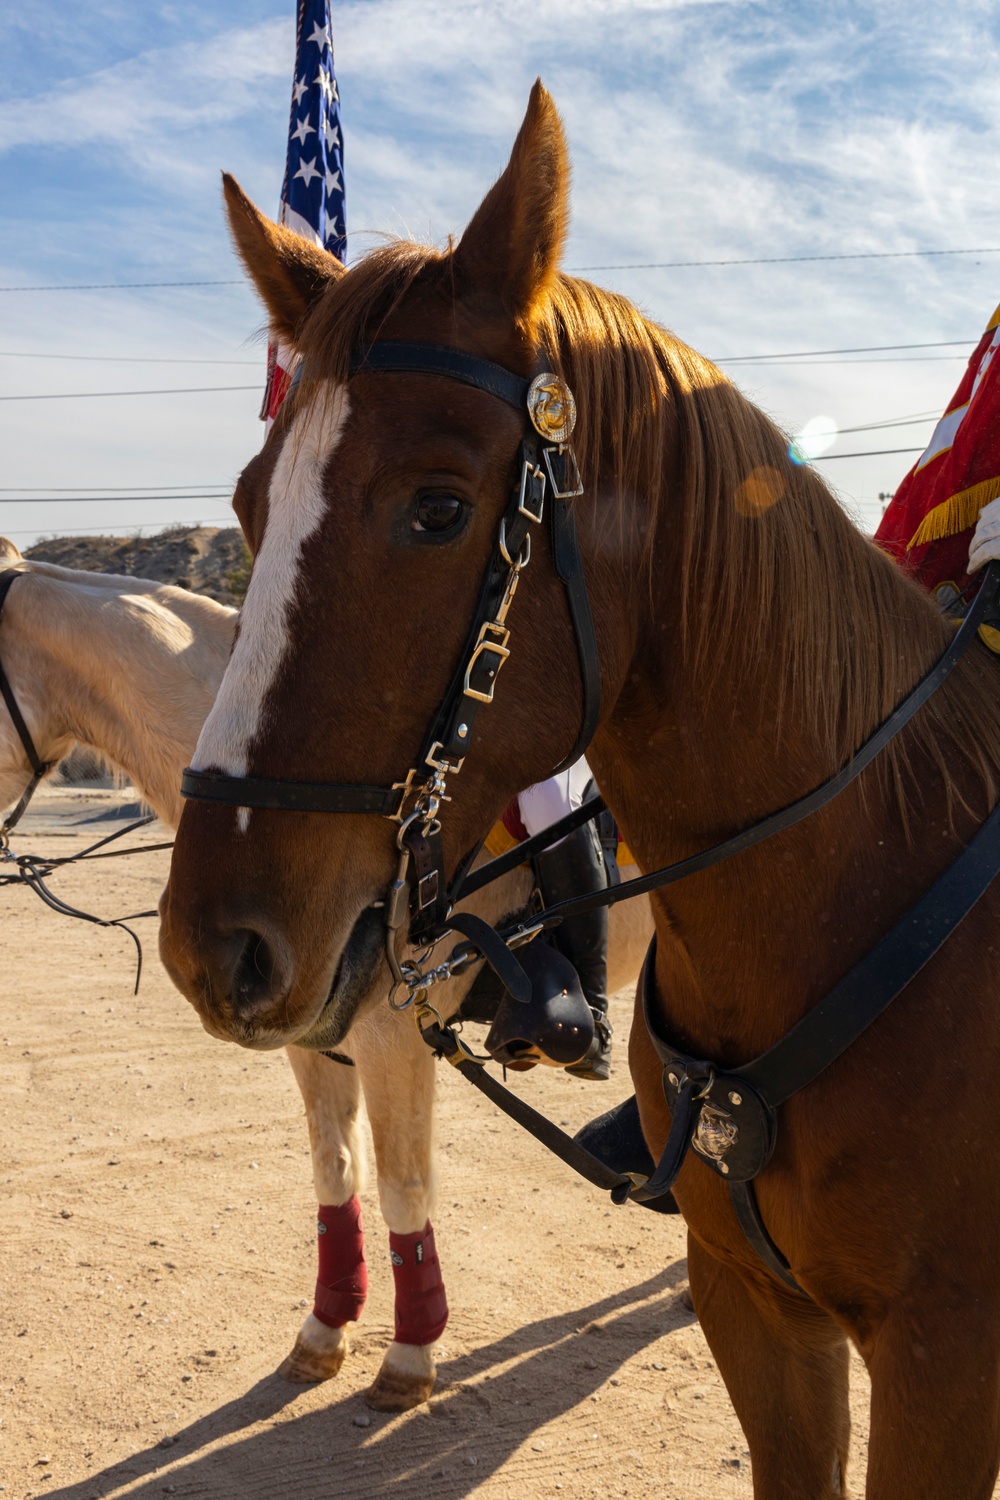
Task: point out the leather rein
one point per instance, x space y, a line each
729 1117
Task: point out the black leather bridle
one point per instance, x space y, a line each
546 476
39 767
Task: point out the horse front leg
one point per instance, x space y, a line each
935 1371
784 1363
331 1093
397 1075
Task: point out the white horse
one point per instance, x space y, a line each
130 668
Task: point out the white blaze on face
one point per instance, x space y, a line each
295 511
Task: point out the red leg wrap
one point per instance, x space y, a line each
342 1284
421 1307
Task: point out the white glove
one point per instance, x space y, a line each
985 544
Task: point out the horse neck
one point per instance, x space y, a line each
130 672
703 743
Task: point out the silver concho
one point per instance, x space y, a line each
715 1134
552 408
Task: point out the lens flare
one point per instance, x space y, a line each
816 438
761 489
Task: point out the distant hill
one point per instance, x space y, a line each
206 559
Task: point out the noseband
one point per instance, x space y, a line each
546 472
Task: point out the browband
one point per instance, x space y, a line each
435 359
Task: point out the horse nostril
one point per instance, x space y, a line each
258 977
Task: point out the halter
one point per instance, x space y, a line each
39 767
546 471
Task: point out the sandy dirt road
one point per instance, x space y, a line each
157 1256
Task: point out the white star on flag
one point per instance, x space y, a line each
323 79
332 135
302 129
333 182
299 88
307 171
321 38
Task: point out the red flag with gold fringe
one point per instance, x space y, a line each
929 522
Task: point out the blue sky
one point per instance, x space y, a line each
699 131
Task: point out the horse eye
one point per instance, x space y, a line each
437 513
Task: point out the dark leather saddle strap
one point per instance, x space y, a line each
832 1025
866 990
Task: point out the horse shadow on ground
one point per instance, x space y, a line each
466 1433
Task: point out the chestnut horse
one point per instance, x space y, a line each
750 639
130 668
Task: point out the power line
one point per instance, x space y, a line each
875 453
926 416
891 359
780 260
127 359
649 265
187 390
139 493
116 286
8 499
223 521
728 359
742 359
54 490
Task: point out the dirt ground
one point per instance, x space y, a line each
158 1255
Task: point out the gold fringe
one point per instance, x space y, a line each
498 840
990 636
955 514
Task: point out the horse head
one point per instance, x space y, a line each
372 512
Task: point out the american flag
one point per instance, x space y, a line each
312 197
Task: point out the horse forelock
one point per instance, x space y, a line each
295 511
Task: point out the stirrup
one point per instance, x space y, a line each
556 1026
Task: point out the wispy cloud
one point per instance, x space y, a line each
698 131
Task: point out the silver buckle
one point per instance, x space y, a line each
499 650
530 471
442 764
572 466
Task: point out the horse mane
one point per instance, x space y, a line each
789 575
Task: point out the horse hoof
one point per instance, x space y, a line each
405 1380
318 1354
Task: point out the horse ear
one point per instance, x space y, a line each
512 245
8 552
290 274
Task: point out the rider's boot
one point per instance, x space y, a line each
575 867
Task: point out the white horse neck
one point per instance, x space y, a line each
124 665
